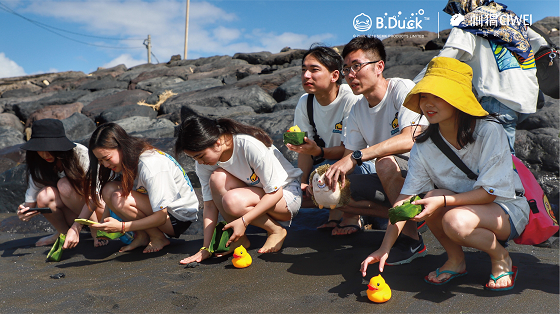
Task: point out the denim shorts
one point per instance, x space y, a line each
369 187
292 195
512 234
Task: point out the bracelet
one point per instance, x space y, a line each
444 201
122 228
205 249
244 223
322 154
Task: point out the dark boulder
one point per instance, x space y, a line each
13 185
87 99
11 120
156 83
146 127
54 112
22 92
225 96
215 112
133 72
223 62
106 82
286 56
24 110
113 72
254 57
289 104
6 163
181 72
184 87
10 137
269 82
546 117
435 44
124 98
288 89
123 112
78 126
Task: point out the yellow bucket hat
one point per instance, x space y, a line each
450 80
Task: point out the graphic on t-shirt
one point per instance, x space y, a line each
395 124
338 128
142 190
505 60
254 178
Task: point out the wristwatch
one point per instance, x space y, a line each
357 155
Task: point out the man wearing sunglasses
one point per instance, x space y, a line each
379 128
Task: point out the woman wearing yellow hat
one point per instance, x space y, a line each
483 211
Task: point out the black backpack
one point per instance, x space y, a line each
547 60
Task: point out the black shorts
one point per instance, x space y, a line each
179 226
369 187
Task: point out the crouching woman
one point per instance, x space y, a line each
152 195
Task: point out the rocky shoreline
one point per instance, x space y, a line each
260 89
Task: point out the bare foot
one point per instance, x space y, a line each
156 244
274 242
48 240
498 268
140 239
100 242
242 241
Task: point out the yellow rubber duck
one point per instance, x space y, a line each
295 128
378 291
241 258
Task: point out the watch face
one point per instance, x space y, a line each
357 154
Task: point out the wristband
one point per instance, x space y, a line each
444 202
205 249
122 228
244 223
322 154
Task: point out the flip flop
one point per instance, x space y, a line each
453 274
513 274
356 227
336 221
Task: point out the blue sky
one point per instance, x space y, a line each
215 28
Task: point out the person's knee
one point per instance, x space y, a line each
64 187
46 196
111 194
456 225
217 179
233 203
387 168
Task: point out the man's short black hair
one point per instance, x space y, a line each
371 45
328 57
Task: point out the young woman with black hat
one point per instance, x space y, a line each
56 168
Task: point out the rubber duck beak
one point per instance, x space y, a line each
236 256
370 287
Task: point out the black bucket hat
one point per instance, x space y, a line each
47 135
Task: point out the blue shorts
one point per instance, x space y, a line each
512 234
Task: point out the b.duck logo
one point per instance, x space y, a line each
362 22
254 178
395 124
338 128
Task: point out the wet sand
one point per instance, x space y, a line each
314 273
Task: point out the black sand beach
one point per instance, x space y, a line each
314 273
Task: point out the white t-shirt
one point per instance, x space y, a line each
369 126
488 156
496 72
166 183
329 120
33 188
253 163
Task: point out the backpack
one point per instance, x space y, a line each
542 224
547 60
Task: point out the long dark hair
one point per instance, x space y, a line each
198 133
113 136
46 173
465 133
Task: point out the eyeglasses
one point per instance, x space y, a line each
356 67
